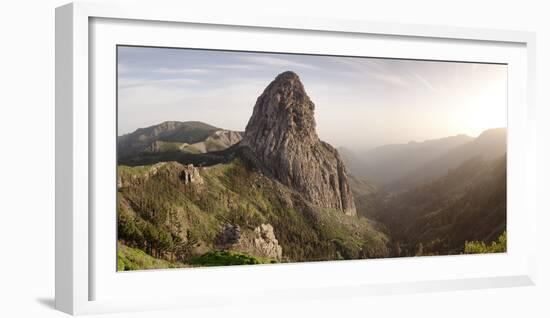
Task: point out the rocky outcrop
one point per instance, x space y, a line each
231 234
266 242
259 242
281 134
188 174
226 137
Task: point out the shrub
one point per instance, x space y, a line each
222 258
476 247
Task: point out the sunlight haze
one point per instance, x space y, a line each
359 102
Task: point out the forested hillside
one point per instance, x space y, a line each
468 204
178 213
191 194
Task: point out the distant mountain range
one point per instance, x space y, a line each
174 136
192 194
401 166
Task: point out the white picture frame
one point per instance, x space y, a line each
82 286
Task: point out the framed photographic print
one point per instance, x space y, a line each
258 157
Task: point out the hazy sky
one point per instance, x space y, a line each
359 102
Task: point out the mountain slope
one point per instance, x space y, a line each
489 145
388 163
174 136
219 140
366 196
467 204
176 212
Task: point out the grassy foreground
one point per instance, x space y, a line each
129 259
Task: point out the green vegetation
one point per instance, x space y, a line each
171 146
153 213
477 247
222 258
179 222
133 259
162 215
467 204
191 149
365 195
190 155
129 172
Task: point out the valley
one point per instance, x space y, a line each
190 194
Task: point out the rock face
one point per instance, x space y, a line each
190 174
230 234
281 134
261 241
265 242
227 137
219 140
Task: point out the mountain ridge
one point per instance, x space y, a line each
186 136
386 163
192 194
490 144
400 166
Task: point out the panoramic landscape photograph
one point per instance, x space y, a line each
241 158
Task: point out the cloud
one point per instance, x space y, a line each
390 79
374 66
359 101
125 83
248 67
276 61
189 71
424 81
123 69
364 68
